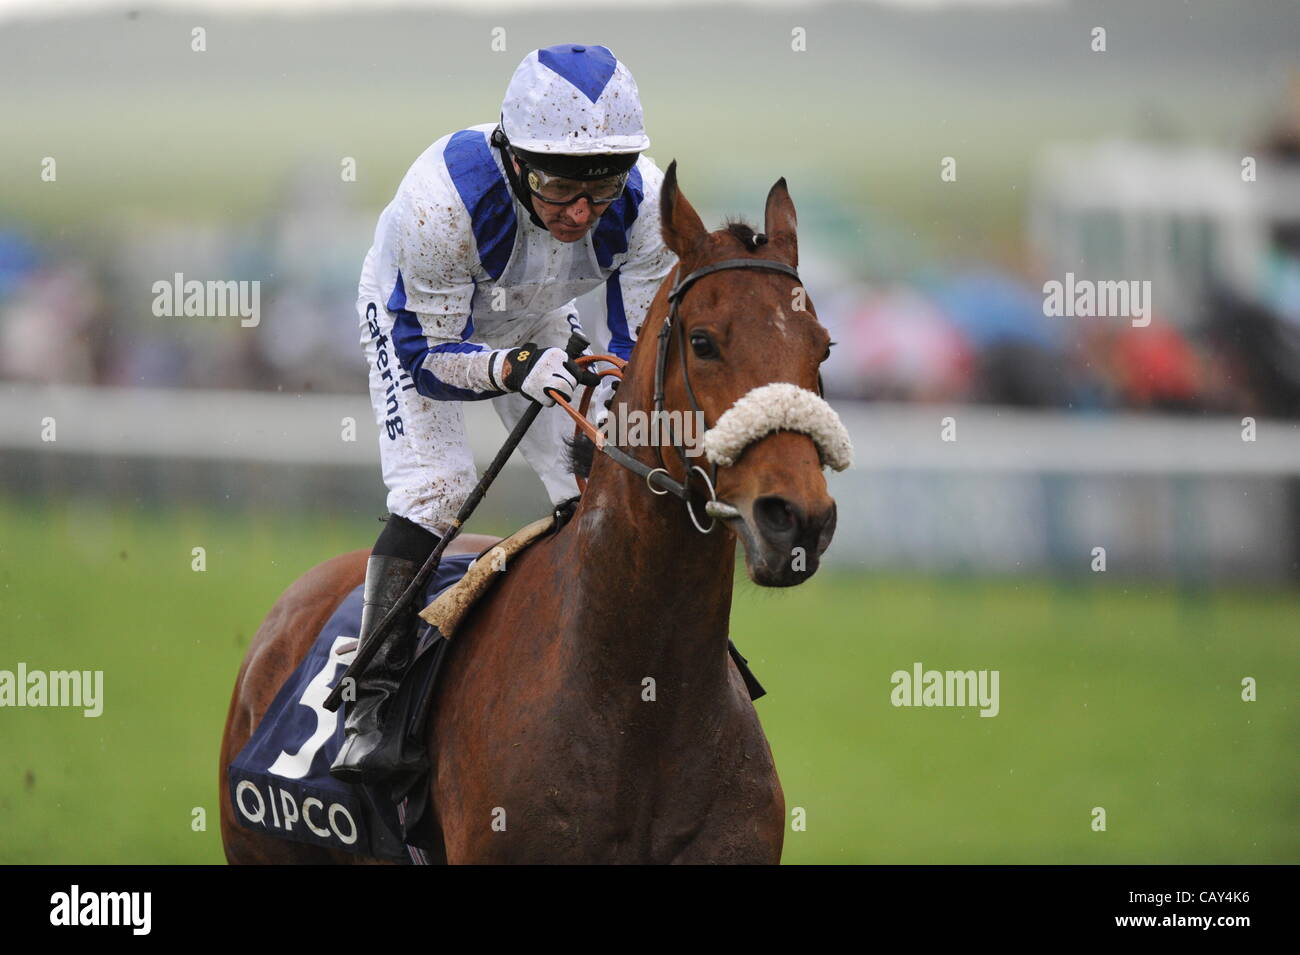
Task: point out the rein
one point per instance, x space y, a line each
657 479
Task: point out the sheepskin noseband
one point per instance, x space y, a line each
780 406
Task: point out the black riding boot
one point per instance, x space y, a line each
362 756
395 560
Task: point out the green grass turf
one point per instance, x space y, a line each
1113 695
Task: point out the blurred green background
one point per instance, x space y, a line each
1113 695
1118 690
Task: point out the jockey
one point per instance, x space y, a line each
468 293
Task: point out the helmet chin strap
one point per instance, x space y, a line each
503 145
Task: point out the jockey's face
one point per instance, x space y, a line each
567 223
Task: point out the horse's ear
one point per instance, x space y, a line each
681 225
780 222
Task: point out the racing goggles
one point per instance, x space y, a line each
561 191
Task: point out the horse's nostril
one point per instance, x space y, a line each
827 529
775 515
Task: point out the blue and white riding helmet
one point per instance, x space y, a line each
575 101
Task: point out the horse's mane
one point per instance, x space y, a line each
581 451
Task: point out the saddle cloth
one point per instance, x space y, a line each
280 783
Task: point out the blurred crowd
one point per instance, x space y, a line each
83 315
981 337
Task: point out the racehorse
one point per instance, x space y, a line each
587 709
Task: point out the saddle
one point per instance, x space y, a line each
449 608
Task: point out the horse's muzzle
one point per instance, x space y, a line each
783 541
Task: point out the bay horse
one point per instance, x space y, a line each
541 721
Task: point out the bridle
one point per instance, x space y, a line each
657 479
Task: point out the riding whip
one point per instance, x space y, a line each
577 344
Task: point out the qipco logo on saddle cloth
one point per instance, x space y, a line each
280 783
279 810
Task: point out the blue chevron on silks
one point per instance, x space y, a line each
588 68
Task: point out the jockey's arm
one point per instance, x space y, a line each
431 304
436 348
633 286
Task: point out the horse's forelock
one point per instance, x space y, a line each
742 232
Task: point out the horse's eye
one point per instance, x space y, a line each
703 345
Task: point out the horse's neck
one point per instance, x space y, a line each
656 592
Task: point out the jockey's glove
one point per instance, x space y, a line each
532 371
601 398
